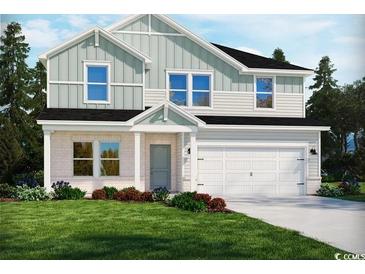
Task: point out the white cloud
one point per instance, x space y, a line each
250 50
40 34
78 21
350 40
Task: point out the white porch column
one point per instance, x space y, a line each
47 159
193 161
137 162
96 157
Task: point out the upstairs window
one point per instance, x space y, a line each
201 90
190 89
178 89
109 159
97 83
264 92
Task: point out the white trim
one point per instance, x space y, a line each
182 140
96 159
147 33
96 38
48 85
279 72
137 161
47 159
82 83
273 93
149 24
163 128
45 56
81 123
193 161
190 117
266 127
108 89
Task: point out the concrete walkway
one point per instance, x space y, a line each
333 221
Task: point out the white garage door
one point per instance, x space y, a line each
241 171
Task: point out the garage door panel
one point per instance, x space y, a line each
264 153
241 171
235 153
211 178
290 165
263 165
290 153
238 165
290 177
210 165
240 178
215 153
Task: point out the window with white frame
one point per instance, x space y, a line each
178 89
109 159
201 90
264 92
190 89
97 83
83 158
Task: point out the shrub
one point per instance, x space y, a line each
146 197
110 191
99 194
217 205
120 196
132 194
26 193
350 188
64 191
186 201
7 191
160 194
203 197
327 191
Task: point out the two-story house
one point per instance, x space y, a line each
147 103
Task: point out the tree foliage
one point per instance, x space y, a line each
279 55
21 99
342 108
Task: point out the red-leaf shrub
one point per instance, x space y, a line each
120 196
99 194
133 194
203 197
146 197
217 205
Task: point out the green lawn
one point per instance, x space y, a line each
114 230
357 198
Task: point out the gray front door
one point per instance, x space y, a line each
160 166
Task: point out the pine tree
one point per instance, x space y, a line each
14 75
37 88
16 125
279 55
324 75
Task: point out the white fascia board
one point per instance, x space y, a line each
190 117
179 28
263 127
43 57
279 72
162 128
81 123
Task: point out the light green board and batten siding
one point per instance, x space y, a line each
67 75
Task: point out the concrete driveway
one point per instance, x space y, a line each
336 222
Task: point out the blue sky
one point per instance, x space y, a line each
304 38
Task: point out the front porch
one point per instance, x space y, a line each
156 148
